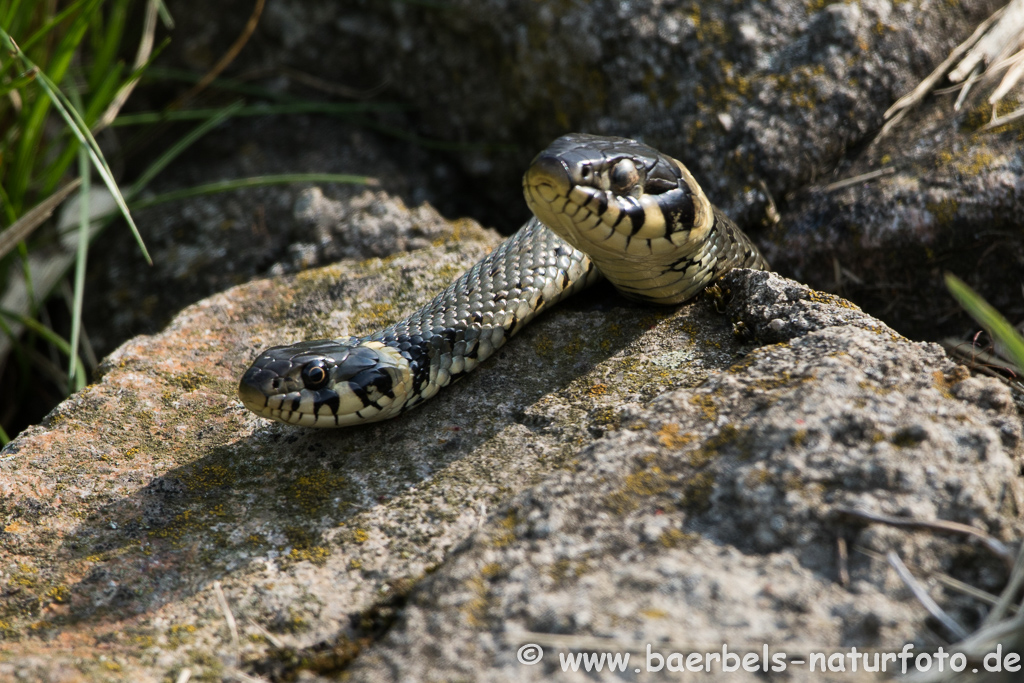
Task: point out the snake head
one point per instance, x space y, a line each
326 383
638 213
617 196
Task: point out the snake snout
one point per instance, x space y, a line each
272 374
257 384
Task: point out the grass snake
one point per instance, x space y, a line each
603 206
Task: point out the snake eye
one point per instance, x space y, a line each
314 376
624 175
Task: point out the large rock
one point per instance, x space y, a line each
615 475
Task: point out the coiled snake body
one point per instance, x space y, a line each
602 206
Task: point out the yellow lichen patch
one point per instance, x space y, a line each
312 491
698 490
728 435
360 536
639 487
818 5
543 345
783 379
506 535
670 437
7 630
573 348
606 417
944 211
15 527
490 570
677 538
757 477
184 523
978 162
560 569
449 273
706 405
373 317
798 437
143 640
25 576
799 85
296 623
191 380
652 613
316 554
827 298
209 477
597 389
476 608
982 114
180 634
944 382
59 593
793 482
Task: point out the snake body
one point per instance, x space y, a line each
602 206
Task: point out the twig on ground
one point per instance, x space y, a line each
994 545
230 619
921 593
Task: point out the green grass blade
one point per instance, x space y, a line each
40 329
48 26
255 181
58 61
107 42
13 12
160 73
161 162
81 132
5 204
15 84
76 373
256 110
25 151
994 323
165 16
41 361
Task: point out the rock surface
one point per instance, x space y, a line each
616 475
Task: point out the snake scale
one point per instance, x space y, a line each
603 206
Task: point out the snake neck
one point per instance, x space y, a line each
679 275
